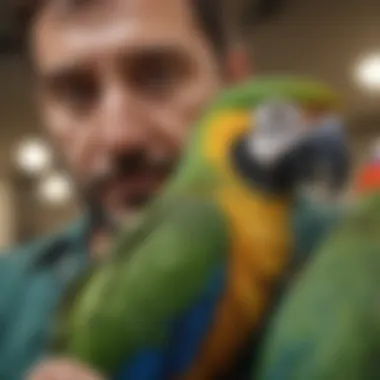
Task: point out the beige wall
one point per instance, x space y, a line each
7 215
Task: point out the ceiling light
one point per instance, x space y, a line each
33 156
368 72
55 189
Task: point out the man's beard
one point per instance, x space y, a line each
124 167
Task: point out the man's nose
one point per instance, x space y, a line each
122 120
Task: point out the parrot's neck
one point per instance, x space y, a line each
193 169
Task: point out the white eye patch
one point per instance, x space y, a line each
278 118
277 127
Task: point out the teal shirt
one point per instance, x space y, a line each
32 281
34 278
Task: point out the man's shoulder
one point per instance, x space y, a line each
44 250
32 280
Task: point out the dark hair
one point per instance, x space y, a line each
209 14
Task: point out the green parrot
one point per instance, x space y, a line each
218 236
328 326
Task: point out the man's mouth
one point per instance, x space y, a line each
135 179
135 190
135 184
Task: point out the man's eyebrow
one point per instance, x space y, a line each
75 67
67 7
62 71
155 50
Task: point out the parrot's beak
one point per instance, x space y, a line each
296 155
320 158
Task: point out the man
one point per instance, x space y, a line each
119 83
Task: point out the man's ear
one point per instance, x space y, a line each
238 65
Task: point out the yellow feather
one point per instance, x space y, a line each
261 246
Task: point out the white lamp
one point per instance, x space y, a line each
368 72
33 156
56 189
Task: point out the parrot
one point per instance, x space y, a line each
328 325
221 225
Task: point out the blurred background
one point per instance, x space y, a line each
338 42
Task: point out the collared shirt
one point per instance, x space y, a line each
32 281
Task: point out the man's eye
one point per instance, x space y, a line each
156 73
77 91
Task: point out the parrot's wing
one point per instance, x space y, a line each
131 303
312 223
329 325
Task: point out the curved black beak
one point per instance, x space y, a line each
323 156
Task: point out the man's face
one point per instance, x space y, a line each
121 84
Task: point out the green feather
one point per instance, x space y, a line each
180 249
328 327
129 302
302 90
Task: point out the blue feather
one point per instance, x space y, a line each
189 332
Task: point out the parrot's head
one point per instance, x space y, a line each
293 134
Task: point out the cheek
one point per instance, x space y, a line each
75 141
174 120
193 101
197 93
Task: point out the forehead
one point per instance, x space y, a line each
62 35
